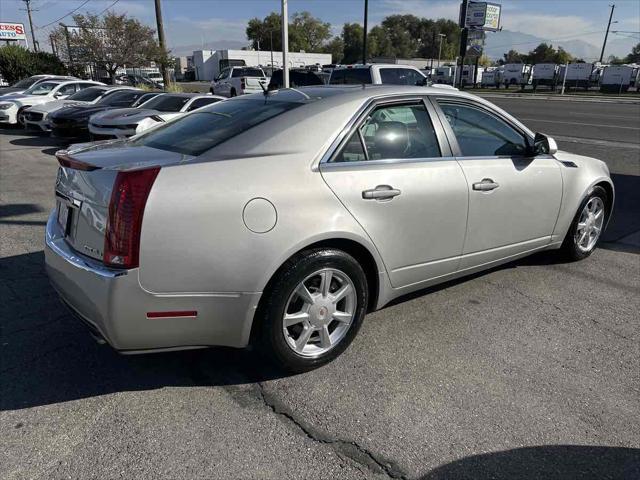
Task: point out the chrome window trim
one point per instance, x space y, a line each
383 162
364 111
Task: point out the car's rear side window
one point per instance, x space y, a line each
247 72
200 131
167 103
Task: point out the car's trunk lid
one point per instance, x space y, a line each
84 184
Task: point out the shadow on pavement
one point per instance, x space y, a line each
552 462
626 213
15 209
47 356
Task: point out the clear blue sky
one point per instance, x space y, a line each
192 22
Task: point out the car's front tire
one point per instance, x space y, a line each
587 225
312 309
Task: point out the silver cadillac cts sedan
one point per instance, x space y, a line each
279 220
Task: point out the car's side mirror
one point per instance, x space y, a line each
544 145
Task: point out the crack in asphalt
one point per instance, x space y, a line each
349 449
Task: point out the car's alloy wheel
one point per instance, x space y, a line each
589 225
312 309
319 312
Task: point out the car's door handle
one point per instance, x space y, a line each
381 192
485 185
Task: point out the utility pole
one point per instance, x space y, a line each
271 40
33 34
441 35
364 39
463 38
161 41
604 44
285 44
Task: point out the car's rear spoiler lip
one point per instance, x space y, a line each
67 161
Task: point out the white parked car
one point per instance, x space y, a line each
125 122
234 81
12 107
21 85
377 74
38 115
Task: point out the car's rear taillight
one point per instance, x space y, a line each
124 224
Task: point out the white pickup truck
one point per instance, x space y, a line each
234 81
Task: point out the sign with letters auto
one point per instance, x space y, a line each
12 31
483 15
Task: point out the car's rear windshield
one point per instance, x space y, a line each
196 133
26 82
247 72
167 103
350 76
87 95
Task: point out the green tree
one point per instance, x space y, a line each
17 62
352 36
634 56
260 32
110 42
336 48
512 56
562 56
308 32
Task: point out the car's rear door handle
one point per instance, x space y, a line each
381 192
485 185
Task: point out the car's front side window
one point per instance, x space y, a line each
393 132
482 134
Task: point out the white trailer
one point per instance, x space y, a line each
491 78
618 78
516 74
579 75
469 75
443 75
544 74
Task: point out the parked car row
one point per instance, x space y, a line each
68 107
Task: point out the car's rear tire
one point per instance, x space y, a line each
312 309
586 228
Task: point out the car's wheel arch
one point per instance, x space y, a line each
364 254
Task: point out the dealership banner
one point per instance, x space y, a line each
12 31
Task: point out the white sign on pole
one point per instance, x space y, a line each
12 31
483 15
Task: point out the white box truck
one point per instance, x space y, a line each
470 77
544 74
516 74
618 78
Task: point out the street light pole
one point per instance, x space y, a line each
161 42
285 44
364 39
463 38
604 44
441 35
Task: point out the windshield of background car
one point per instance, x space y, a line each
200 131
167 103
42 88
25 82
87 95
121 98
247 72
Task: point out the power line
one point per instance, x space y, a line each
65 16
108 7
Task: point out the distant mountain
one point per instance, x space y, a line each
499 43
184 50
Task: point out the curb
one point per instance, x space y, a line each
561 98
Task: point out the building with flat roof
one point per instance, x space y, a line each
209 63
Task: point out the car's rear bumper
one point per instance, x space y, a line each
115 306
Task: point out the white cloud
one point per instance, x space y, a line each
550 26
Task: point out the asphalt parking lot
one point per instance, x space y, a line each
528 371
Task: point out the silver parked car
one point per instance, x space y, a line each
281 219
